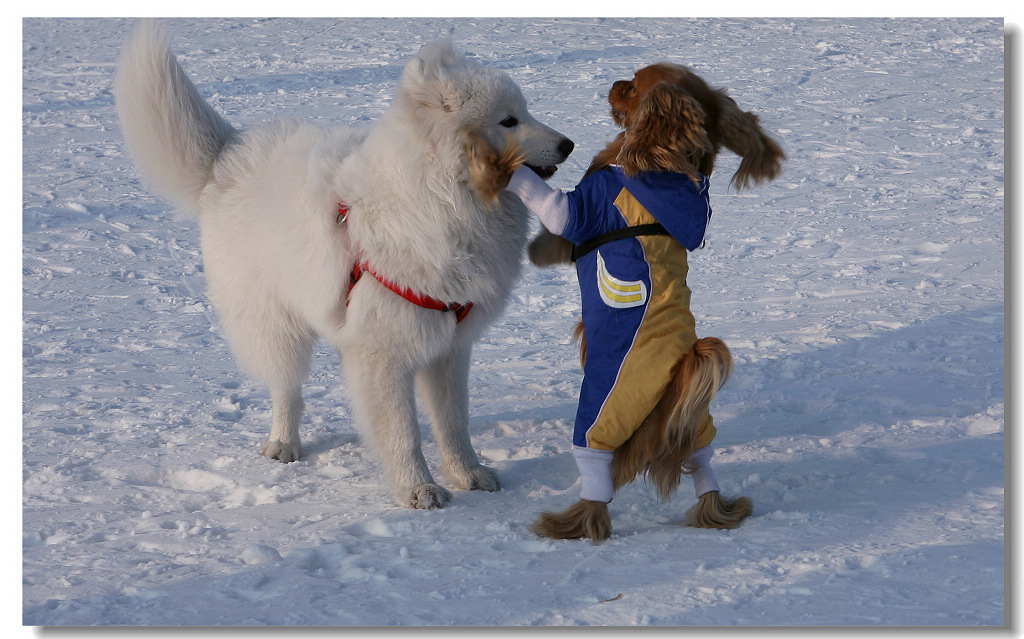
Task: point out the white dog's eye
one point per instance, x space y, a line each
509 122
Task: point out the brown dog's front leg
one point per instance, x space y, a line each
548 249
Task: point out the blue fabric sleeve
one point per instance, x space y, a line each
591 212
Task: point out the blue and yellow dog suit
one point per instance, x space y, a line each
636 303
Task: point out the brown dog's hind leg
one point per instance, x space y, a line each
714 511
584 519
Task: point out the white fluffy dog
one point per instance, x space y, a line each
292 214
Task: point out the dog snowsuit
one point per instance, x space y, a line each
636 304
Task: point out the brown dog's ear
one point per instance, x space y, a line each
607 156
761 156
666 133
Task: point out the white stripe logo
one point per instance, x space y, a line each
618 293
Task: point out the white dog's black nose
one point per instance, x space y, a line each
565 147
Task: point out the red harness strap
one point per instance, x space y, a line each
423 301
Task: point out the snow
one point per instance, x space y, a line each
861 294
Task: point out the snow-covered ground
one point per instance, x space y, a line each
861 294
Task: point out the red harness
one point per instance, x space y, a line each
423 301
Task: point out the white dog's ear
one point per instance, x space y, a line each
441 54
428 79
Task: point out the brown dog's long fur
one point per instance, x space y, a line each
672 121
714 511
591 520
583 520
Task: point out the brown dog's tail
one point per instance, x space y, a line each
580 335
761 156
667 438
703 371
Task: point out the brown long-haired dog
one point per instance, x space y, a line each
673 121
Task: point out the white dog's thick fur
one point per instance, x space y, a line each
277 260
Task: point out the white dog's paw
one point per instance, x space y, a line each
281 451
426 497
475 478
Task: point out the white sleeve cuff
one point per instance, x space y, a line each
550 205
703 476
596 472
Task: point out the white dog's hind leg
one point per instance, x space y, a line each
274 347
445 387
384 401
284 443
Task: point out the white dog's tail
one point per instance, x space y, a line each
173 134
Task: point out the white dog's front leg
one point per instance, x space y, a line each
383 397
445 387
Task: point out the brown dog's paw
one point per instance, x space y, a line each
548 249
715 511
584 519
489 169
